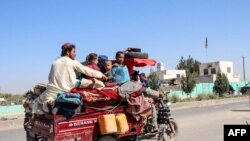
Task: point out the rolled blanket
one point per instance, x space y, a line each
67 103
74 98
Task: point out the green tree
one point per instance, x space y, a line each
84 63
221 84
188 84
191 65
154 80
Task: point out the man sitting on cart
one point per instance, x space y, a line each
62 78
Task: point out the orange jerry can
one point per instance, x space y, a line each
107 124
122 123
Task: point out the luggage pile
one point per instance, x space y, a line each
31 95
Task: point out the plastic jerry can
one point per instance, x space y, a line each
122 123
107 124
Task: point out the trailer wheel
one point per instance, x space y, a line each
40 138
28 138
107 138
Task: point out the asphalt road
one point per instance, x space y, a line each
195 124
207 123
13 135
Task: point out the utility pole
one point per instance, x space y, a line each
244 74
206 44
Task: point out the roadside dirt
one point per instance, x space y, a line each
11 122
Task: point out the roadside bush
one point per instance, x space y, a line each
189 99
201 97
226 95
221 84
212 96
175 99
12 98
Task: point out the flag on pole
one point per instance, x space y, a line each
206 43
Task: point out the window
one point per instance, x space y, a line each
228 70
213 71
205 71
178 76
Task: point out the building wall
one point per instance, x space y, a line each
207 88
226 67
209 67
161 74
205 79
171 74
11 110
236 78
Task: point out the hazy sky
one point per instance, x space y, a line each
32 33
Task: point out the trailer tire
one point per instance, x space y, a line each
107 138
134 50
28 138
136 55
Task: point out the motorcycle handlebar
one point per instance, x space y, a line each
160 100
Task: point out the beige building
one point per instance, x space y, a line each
3 101
208 71
165 74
